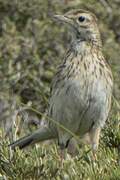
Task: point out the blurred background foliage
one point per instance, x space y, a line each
31 47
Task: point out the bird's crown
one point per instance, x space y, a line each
78 17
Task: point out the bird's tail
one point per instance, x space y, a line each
44 133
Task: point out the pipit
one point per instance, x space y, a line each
81 89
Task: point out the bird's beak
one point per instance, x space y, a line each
62 18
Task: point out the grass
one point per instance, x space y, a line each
42 161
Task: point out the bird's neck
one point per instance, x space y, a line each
81 45
95 40
92 40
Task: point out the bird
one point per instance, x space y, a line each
81 89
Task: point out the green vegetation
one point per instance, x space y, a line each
31 46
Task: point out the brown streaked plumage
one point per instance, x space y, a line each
81 89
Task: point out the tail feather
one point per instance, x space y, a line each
44 133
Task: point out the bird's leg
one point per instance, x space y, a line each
94 138
61 152
62 156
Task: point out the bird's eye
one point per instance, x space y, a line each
81 18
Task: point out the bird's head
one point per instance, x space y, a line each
83 24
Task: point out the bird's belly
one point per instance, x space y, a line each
77 107
67 104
